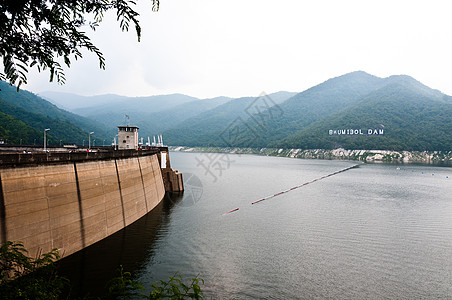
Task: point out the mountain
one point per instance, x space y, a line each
132 105
353 111
71 102
155 123
14 131
410 116
206 128
313 104
25 115
292 114
153 115
203 128
111 110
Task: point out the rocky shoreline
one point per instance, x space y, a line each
424 157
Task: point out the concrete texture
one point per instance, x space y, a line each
72 205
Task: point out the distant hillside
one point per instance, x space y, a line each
71 102
110 110
157 122
132 105
153 114
410 119
205 128
312 105
411 116
297 112
353 111
12 130
26 115
201 128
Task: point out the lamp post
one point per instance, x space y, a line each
103 143
45 141
89 139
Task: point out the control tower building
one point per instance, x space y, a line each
127 137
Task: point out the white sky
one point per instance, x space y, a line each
209 48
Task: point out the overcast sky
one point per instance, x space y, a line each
209 48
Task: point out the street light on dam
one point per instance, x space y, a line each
45 141
89 139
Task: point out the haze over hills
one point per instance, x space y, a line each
354 111
153 114
71 102
411 115
25 116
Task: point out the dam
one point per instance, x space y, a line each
72 199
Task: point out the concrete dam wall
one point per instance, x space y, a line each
74 204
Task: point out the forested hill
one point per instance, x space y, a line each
402 113
153 114
409 120
353 111
24 116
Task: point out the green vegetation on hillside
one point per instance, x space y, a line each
25 116
410 120
12 130
411 115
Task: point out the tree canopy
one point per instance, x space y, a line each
43 33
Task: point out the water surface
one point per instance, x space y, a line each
377 231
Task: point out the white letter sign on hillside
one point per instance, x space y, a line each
356 132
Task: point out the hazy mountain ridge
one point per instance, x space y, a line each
155 123
70 102
412 116
153 114
207 127
299 111
35 114
411 121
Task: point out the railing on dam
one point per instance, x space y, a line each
25 158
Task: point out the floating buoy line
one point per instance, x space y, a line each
236 209
295 187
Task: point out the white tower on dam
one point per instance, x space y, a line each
127 137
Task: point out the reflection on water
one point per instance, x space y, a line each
90 269
374 232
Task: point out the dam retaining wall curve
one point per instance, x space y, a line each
74 204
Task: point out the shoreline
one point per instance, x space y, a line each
371 156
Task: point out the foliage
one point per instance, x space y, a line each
13 130
41 33
414 117
176 289
23 116
298 112
22 277
124 286
412 121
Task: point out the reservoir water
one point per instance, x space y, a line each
378 231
